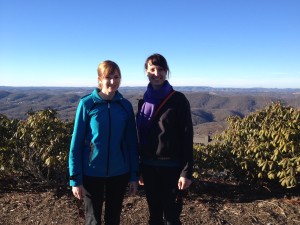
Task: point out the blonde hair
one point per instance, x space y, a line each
106 68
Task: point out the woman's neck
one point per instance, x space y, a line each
156 87
106 96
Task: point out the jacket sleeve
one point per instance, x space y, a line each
132 146
187 129
77 146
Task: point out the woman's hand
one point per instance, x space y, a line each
183 183
141 181
78 192
133 187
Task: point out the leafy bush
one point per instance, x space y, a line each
211 157
263 146
7 158
42 143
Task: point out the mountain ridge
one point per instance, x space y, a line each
209 106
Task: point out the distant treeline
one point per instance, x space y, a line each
207 104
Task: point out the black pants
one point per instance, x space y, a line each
112 191
161 186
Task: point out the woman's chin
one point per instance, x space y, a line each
157 82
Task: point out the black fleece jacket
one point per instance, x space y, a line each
170 135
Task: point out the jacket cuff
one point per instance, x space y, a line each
75 180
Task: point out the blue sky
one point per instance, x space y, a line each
217 43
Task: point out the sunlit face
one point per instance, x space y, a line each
156 75
110 83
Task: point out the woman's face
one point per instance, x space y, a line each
156 75
110 83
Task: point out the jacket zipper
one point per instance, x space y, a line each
109 135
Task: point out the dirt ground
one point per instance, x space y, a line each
210 203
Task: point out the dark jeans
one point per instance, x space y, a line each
112 191
161 186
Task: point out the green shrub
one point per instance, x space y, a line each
42 142
8 159
263 146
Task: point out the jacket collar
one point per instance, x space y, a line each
97 98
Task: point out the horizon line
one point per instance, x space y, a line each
138 86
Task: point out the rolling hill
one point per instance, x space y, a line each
210 106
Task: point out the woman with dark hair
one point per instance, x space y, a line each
166 144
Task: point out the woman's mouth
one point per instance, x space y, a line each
155 78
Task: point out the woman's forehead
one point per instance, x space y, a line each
114 73
150 64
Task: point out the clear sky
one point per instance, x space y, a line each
217 43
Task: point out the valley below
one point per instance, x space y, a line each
209 106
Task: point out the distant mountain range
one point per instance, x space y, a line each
210 106
179 88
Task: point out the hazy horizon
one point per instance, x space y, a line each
143 86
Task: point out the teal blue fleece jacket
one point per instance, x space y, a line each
104 140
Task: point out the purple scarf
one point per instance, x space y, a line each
152 99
